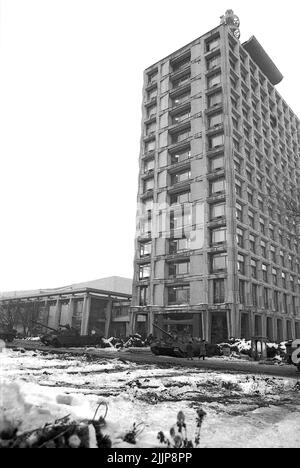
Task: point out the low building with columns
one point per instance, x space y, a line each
102 305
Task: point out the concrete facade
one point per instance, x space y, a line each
217 138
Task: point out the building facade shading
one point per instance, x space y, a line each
215 255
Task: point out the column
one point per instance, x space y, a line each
57 312
150 317
71 311
108 316
85 314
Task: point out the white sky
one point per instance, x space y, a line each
70 118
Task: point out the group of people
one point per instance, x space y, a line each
200 350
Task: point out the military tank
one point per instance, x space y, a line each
171 346
67 336
7 334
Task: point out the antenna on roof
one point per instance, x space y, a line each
231 20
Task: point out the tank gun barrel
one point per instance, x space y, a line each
163 331
45 326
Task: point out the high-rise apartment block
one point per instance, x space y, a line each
216 256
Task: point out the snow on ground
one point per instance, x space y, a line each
242 411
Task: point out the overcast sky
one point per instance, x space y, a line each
70 118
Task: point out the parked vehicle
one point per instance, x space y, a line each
293 353
171 346
67 336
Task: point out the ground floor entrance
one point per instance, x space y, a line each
219 327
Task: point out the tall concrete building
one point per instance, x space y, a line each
215 254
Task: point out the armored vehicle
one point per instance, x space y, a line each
173 346
67 336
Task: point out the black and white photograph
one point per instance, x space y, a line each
150 227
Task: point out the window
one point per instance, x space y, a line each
270 328
213 44
283 276
241 264
284 303
215 120
213 62
260 203
238 188
219 262
217 186
179 198
217 210
254 294
151 95
151 112
144 271
214 99
181 98
250 195
145 227
251 218
263 248
181 117
180 177
259 181
239 212
180 217
273 253
217 163
294 307
182 63
264 272
240 238
179 268
150 128
276 300
143 295
180 136
180 156
149 165
292 283
289 330
253 269
258 325
252 243
179 245
274 275
216 141
148 184
150 146
219 291
178 295
279 331
214 80
181 81
145 249
271 232
218 236
262 225
242 294
152 77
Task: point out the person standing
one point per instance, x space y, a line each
190 350
202 350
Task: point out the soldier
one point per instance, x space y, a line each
202 350
190 350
